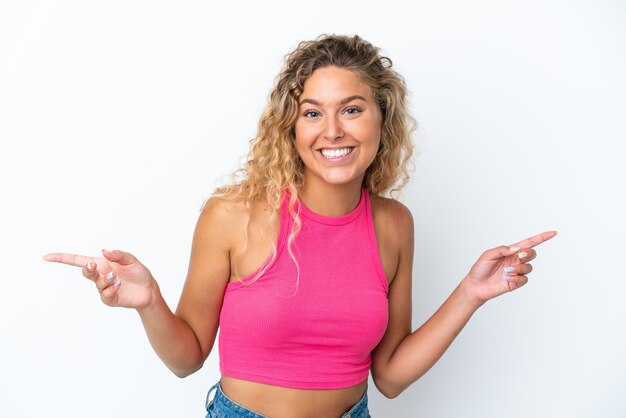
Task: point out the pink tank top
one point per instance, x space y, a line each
321 337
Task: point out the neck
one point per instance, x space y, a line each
331 200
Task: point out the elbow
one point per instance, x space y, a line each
182 373
388 389
189 367
387 394
390 394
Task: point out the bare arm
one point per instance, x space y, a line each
420 350
182 340
403 356
209 269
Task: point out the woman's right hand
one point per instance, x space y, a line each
120 278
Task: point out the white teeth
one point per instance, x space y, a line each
335 153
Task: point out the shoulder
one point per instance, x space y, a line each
230 217
394 215
223 210
221 217
223 207
393 223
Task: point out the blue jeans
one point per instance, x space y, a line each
223 407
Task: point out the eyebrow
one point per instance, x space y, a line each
343 101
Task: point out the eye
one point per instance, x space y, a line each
352 110
311 114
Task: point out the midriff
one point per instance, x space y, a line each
281 402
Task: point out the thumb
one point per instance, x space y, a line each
499 252
120 257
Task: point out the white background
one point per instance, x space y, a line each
118 117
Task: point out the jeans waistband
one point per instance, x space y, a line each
230 408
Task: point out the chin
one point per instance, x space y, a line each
341 180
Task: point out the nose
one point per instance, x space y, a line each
333 129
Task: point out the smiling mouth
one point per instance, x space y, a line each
335 152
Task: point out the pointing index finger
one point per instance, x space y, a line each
69 259
535 240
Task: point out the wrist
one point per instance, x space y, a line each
155 298
468 295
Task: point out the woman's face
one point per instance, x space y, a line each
338 127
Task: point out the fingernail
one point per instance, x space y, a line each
514 249
117 282
90 266
506 277
509 269
110 275
522 254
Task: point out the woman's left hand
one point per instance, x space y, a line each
503 269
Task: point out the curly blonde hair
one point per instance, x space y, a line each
273 165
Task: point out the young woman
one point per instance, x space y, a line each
302 263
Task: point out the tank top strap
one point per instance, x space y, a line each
373 244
